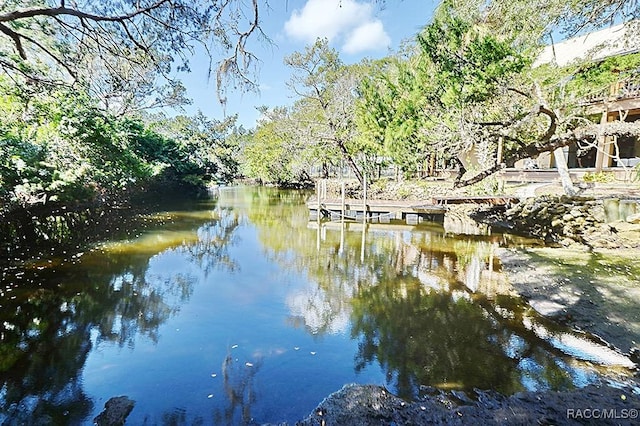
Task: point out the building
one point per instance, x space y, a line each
619 102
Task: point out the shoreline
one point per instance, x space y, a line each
363 405
553 295
540 275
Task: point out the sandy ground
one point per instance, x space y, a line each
597 292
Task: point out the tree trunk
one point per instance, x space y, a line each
325 170
350 161
457 183
563 171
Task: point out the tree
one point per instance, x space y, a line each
50 42
488 85
275 154
391 110
205 147
327 89
536 21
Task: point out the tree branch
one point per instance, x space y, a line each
62 10
17 39
553 125
583 134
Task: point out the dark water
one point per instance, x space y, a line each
237 310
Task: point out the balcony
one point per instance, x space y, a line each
628 88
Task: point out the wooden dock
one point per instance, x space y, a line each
385 211
482 199
382 211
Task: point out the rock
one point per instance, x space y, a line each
374 405
115 411
570 221
575 212
598 213
634 218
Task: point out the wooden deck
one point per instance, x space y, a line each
413 212
383 211
486 199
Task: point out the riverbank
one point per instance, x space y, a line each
367 405
576 287
55 228
570 281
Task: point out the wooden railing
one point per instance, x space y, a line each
628 88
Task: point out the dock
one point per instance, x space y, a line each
386 211
494 200
412 212
374 211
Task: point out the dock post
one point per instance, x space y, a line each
318 216
364 200
318 197
364 219
343 202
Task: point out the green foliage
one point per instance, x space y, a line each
202 148
597 77
55 146
327 91
471 64
390 111
601 177
272 156
636 173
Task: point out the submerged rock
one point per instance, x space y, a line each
115 411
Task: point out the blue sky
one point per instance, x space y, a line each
355 28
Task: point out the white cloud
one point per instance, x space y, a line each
346 21
368 36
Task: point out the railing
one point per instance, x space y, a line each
628 88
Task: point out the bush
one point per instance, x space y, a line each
599 177
57 147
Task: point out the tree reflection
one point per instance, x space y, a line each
43 350
51 313
421 336
238 386
425 304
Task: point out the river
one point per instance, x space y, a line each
238 310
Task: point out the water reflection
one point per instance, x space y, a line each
245 313
427 305
55 312
422 336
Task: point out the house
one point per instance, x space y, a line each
620 102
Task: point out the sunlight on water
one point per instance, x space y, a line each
580 347
151 243
240 311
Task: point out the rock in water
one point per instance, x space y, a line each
634 218
115 411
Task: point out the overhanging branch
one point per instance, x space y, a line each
586 134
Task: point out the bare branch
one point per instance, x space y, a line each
553 125
62 10
17 39
585 134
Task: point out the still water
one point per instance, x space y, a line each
237 310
